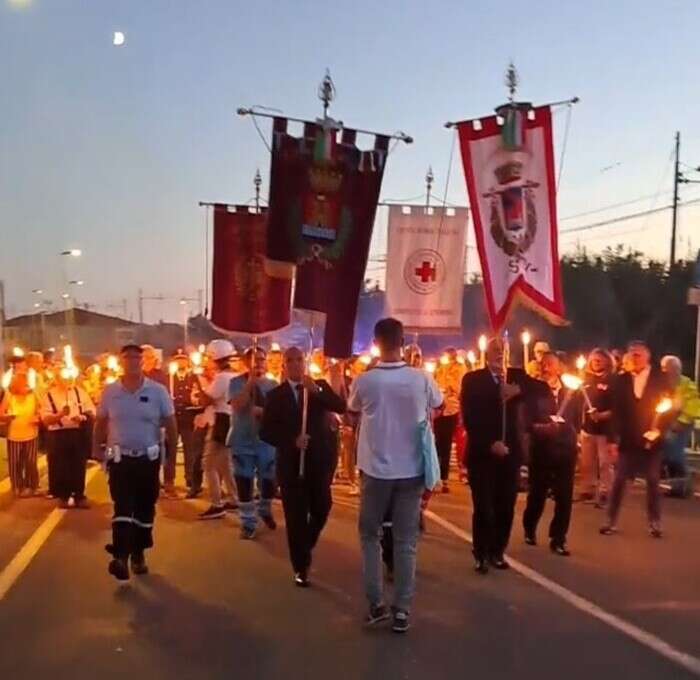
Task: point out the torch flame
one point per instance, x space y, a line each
196 358
444 360
581 362
366 359
471 357
483 341
571 382
664 406
374 351
112 363
430 366
526 337
314 368
17 352
172 367
6 379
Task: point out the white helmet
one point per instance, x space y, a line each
220 349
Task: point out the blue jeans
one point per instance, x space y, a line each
400 499
675 444
249 461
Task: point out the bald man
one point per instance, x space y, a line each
306 500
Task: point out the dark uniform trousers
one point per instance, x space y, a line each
306 502
134 486
193 448
68 452
551 470
445 428
494 488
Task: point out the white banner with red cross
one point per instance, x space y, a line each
425 267
509 167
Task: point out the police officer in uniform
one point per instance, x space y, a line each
128 425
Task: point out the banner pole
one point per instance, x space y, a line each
551 105
400 136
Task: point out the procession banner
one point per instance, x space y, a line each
245 298
509 167
323 198
425 267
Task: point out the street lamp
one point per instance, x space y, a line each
77 283
73 252
185 320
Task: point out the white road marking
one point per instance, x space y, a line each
20 562
688 661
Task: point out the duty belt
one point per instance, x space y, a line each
115 453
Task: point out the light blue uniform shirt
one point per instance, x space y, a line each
244 432
135 418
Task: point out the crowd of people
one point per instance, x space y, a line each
261 423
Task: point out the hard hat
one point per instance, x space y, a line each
220 349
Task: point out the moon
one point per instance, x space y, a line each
119 39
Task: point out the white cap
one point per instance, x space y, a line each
220 349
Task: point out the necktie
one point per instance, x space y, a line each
300 394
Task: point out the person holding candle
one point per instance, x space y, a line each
184 390
553 455
251 456
687 410
295 422
495 450
534 367
448 375
639 428
67 412
597 459
19 410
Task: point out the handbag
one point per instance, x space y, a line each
427 447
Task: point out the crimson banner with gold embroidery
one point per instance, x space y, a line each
509 167
245 298
323 198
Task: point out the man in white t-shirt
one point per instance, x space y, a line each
216 460
392 400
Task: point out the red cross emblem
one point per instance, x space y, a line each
426 272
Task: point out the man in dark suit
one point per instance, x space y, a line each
639 429
557 419
495 455
306 499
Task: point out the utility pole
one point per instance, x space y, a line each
676 182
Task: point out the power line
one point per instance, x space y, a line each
625 218
612 206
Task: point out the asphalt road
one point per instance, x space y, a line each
218 607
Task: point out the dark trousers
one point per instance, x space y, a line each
134 487
445 428
193 447
307 503
494 488
550 472
630 463
67 451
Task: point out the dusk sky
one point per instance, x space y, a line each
109 149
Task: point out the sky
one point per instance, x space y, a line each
110 149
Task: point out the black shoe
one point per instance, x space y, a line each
400 623
608 530
119 568
481 567
138 564
377 614
655 530
530 538
301 579
213 512
193 493
499 563
247 533
559 549
230 506
269 522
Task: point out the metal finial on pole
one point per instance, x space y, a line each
257 183
429 179
326 92
512 80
